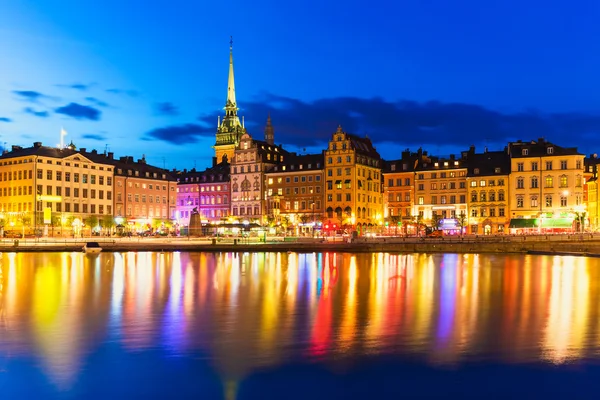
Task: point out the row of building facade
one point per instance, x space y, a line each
528 185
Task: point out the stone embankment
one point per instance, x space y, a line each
584 244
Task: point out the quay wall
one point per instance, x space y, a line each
573 245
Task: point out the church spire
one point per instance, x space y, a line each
269 131
231 103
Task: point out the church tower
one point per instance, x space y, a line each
269 132
229 129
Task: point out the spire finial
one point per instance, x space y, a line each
230 43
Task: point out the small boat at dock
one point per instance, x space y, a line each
92 248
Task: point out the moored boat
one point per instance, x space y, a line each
92 248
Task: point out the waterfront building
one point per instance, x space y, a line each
145 196
252 159
488 197
295 194
441 191
546 186
229 129
353 187
590 192
50 191
399 191
206 191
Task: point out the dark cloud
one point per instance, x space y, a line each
29 95
41 114
166 108
131 93
93 136
97 102
79 111
5 119
407 123
178 134
77 86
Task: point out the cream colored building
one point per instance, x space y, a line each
52 190
546 183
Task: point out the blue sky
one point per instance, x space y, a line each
150 78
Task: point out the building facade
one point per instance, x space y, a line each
488 197
52 191
295 194
206 191
144 195
353 183
546 186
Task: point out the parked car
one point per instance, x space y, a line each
435 234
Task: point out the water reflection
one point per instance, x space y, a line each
244 311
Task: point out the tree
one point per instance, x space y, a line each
419 221
395 220
108 222
435 221
91 221
461 219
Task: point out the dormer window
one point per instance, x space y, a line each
445 163
455 162
525 152
436 164
550 150
497 170
476 171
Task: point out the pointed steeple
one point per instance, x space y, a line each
231 119
230 129
231 82
269 131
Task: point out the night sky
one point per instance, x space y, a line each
150 78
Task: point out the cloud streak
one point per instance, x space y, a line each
93 136
78 111
166 109
177 134
407 124
29 95
5 119
130 93
36 113
96 102
77 86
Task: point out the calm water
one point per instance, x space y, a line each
276 325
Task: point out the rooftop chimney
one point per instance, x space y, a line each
37 144
111 155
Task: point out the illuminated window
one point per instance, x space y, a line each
548 200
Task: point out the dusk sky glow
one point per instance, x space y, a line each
150 78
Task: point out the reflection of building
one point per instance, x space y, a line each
353 195
487 183
62 188
295 192
207 191
144 194
546 182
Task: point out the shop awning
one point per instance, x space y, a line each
557 222
522 223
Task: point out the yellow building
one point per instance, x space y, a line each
46 190
399 192
488 198
440 191
546 186
353 188
591 191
